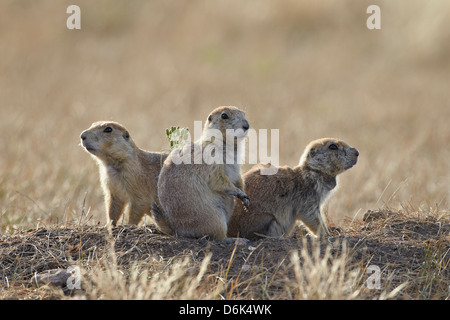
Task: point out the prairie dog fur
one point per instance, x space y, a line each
196 198
128 175
292 194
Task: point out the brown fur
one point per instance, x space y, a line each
292 194
128 175
197 198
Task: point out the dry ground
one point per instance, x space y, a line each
413 254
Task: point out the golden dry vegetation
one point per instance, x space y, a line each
309 69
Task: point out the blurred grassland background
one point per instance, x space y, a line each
309 68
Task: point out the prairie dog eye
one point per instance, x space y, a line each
108 129
224 116
333 147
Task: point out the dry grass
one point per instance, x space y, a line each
129 262
316 274
310 70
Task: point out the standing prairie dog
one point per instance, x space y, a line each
196 198
128 175
292 194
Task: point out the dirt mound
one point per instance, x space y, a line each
403 248
24 254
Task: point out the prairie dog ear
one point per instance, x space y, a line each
126 135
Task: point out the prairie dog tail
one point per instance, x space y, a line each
161 219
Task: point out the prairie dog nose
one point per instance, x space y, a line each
246 125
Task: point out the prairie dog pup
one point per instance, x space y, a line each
128 175
279 200
196 198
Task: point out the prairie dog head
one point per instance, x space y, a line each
224 118
107 141
330 156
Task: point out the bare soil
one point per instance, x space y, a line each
403 247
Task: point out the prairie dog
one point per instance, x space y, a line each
292 194
196 198
128 175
